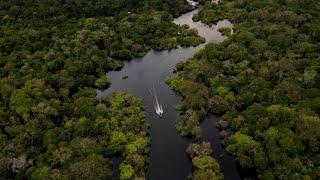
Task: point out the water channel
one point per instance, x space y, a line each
168 160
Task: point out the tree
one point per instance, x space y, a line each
24 99
218 105
202 149
189 124
126 172
102 82
308 132
117 142
206 168
246 149
92 167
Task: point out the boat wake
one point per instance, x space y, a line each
157 106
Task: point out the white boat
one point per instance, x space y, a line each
157 105
193 4
159 111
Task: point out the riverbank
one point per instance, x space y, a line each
168 159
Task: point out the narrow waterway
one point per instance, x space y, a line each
168 160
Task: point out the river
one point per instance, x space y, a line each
168 160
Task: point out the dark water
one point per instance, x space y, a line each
168 160
226 161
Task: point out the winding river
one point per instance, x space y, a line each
168 160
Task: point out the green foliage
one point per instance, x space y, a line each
117 140
263 80
218 105
204 162
195 94
209 14
101 109
44 173
308 132
189 125
246 148
225 31
92 167
204 166
78 148
202 149
102 82
138 146
192 41
53 57
24 99
126 172
176 83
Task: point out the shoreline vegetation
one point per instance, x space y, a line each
53 57
264 83
204 165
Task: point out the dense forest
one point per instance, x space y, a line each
53 56
264 81
204 165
